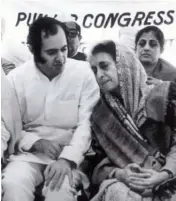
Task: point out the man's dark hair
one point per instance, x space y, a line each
108 47
78 28
47 25
72 25
157 32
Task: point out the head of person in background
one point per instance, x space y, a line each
149 45
74 38
7 65
47 40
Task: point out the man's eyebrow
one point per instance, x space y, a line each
50 49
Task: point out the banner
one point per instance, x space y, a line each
98 19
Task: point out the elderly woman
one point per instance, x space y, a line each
149 44
133 126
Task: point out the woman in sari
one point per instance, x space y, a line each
134 129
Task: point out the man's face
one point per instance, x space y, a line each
73 45
73 39
54 52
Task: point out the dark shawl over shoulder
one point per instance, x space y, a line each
120 147
165 71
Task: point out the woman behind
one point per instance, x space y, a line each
149 43
133 125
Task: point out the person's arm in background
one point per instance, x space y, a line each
5 136
10 116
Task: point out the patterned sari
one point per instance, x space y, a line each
117 125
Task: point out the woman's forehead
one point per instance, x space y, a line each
101 56
148 36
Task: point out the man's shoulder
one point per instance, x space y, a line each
80 56
78 65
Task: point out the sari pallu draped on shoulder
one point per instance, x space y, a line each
120 139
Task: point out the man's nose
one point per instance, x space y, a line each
59 55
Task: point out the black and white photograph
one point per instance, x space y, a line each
88 100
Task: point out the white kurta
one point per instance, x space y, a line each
55 110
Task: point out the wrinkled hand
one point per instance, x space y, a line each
130 172
150 182
154 81
55 173
52 149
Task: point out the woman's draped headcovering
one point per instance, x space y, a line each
132 82
133 87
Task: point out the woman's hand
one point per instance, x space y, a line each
154 81
130 172
150 182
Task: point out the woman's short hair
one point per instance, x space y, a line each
108 47
157 32
47 25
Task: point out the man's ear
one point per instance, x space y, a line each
80 37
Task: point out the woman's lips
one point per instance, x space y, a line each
105 82
146 55
58 64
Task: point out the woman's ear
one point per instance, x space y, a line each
30 48
162 49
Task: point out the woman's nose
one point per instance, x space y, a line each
147 46
99 73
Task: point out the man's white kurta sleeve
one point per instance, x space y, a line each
81 140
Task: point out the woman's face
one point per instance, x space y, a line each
105 70
148 48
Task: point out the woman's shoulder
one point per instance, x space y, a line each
168 66
171 106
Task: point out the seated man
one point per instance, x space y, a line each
56 96
74 38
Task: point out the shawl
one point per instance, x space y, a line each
116 125
133 87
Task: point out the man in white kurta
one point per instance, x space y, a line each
54 111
